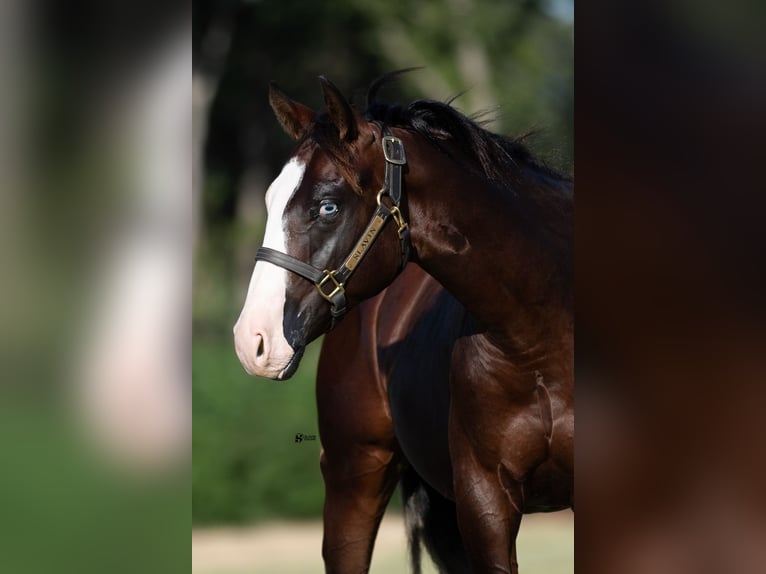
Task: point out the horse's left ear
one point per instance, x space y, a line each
339 110
294 118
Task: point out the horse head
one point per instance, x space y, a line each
328 210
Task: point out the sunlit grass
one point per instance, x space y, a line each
545 546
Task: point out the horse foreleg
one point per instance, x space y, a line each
488 524
360 460
358 486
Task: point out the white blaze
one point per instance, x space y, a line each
258 335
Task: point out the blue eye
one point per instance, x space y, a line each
328 208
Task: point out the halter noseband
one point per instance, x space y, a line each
331 284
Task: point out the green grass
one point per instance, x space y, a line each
246 463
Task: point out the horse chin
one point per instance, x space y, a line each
293 365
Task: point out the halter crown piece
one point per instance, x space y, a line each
331 284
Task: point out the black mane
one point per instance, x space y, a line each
497 156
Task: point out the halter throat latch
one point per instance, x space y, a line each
331 284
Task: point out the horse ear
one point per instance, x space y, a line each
294 118
339 110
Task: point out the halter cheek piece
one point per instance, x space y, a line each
331 284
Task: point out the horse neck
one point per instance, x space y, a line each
508 268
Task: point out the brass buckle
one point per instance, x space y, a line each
393 147
395 213
399 219
338 287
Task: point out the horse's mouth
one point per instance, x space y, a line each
293 365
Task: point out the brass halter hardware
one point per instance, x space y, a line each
329 277
396 214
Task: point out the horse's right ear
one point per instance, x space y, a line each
294 118
339 110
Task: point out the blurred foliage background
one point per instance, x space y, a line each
511 58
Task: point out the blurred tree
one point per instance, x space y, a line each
213 28
513 57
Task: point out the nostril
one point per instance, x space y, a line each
259 350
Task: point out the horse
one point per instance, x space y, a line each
494 226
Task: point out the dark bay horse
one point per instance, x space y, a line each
495 227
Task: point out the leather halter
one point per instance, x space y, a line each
331 284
